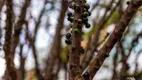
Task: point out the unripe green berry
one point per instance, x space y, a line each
87 6
79 21
85 14
76 30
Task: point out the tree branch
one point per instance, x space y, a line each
74 56
11 71
104 19
103 53
125 57
18 26
21 70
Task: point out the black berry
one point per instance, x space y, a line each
67 56
85 20
82 51
86 75
89 13
67 41
87 25
69 14
85 1
70 19
128 2
68 35
127 66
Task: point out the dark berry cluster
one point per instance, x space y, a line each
83 9
84 14
68 38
